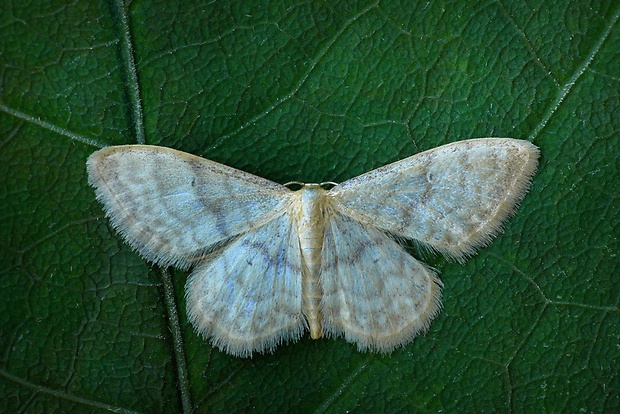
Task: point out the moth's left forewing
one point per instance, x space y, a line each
173 207
453 198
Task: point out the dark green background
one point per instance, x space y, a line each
311 91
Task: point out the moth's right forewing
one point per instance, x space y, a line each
453 198
172 206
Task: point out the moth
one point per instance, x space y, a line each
269 263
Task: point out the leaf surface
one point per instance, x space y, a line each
317 91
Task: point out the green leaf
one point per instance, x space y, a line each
313 91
